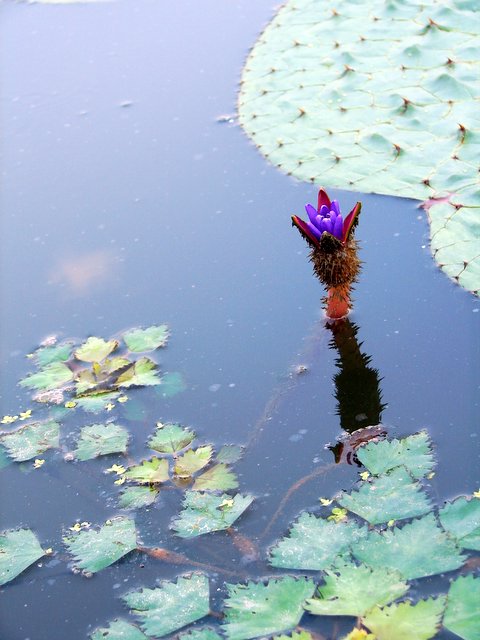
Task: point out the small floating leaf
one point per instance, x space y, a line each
206 512
352 590
141 374
461 518
399 621
258 609
390 496
192 461
462 614
55 353
118 630
149 471
97 402
137 497
172 605
295 635
100 440
18 550
54 375
32 439
94 550
95 349
4 459
171 384
170 438
229 453
413 452
218 477
149 339
314 543
434 551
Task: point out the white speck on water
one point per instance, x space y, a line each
214 387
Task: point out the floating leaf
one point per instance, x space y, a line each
4 459
416 550
95 349
149 339
170 438
359 634
149 471
118 630
461 518
54 375
55 353
400 621
295 635
314 543
100 440
413 452
258 609
200 634
218 477
462 614
230 453
94 550
171 384
96 403
192 461
390 496
206 512
137 497
172 605
141 374
352 590
32 439
18 550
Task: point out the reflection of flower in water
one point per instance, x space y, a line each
83 273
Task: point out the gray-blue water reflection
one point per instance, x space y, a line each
127 203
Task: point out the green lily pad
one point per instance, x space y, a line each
95 349
314 543
55 353
18 550
413 452
170 438
118 630
416 550
149 339
316 101
137 497
171 384
171 606
100 440
4 459
94 550
258 609
461 518
218 478
142 373
462 614
52 376
192 461
152 471
352 590
205 512
96 403
392 496
229 453
32 439
399 621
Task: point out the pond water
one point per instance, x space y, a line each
130 198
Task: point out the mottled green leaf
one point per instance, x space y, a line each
137 497
52 376
192 461
461 518
420 621
170 438
219 477
118 630
314 543
171 384
392 496
141 374
31 440
206 512
258 609
100 440
352 590
229 453
149 471
139 340
462 614
4 459
416 550
94 550
95 349
18 550
97 402
413 452
55 353
172 605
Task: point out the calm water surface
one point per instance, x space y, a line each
129 199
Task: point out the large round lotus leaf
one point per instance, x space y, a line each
377 97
